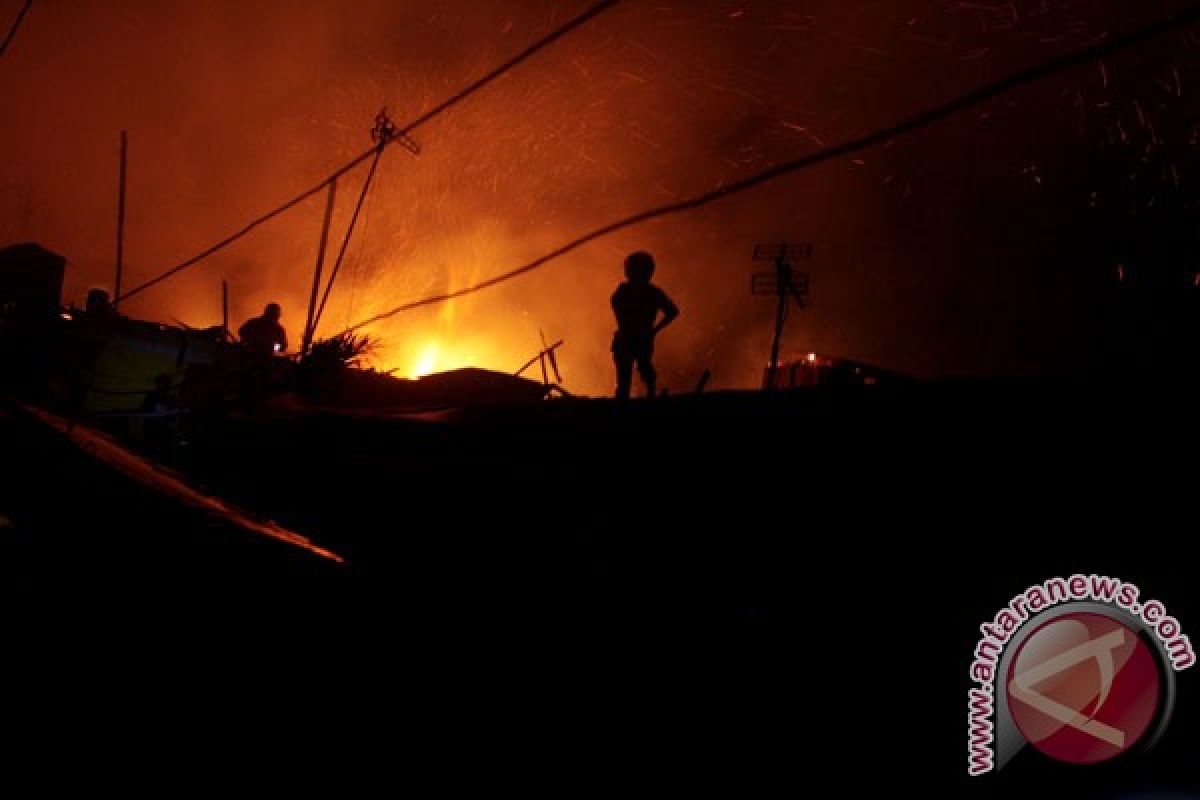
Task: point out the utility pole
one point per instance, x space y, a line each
785 284
116 298
382 134
309 325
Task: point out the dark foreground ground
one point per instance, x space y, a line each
778 591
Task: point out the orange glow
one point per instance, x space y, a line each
622 115
586 134
495 332
427 360
442 353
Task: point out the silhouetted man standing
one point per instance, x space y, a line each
637 304
264 336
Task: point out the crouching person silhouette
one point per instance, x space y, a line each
637 304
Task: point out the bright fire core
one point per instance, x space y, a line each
426 362
443 354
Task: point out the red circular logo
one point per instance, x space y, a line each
1083 688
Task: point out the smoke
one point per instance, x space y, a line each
958 250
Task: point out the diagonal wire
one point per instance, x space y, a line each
440 108
916 122
12 31
337 265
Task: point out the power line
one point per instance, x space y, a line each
921 120
356 261
440 108
12 32
270 215
383 125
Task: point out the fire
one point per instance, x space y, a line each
426 362
453 338
443 355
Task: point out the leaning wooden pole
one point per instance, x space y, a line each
316 286
225 309
116 298
337 265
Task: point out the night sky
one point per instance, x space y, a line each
988 244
